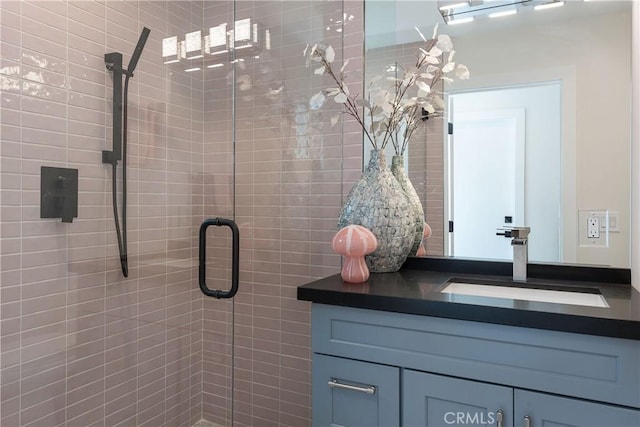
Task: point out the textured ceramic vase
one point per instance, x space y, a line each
422 251
378 203
398 170
354 242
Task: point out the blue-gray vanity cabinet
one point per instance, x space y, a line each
354 393
430 400
435 400
538 410
464 366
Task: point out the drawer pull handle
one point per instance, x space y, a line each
499 417
526 422
334 383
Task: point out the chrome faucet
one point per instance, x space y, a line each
519 241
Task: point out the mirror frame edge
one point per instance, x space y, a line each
635 145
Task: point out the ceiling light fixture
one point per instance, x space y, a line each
453 6
456 12
502 13
458 21
550 5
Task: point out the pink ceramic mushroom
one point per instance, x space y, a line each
354 242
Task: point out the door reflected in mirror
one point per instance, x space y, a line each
541 130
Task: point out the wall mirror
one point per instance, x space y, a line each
541 130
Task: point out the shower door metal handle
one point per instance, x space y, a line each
235 260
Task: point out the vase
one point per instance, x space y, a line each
398 170
378 203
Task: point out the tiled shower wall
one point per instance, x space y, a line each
289 170
80 344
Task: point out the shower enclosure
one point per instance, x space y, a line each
219 127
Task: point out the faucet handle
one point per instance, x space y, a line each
514 232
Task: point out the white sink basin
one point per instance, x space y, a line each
526 294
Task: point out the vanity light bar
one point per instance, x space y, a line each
247 35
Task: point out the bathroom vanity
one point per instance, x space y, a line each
398 351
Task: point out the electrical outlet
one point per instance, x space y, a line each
593 227
592 230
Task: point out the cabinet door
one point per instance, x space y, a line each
553 411
352 393
436 400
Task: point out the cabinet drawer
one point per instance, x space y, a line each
544 410
592 367
353 393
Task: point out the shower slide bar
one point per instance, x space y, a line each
235 258
113 62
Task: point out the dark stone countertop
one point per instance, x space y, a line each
416 289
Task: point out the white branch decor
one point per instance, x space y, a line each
391 112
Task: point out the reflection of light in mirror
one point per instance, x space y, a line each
13 70
450 10
453 6
33 76
8 84
35 89
40 62
549 5
503 13
460 21
190 70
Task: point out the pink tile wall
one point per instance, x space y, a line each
81 345
291 169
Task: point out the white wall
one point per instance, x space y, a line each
591 58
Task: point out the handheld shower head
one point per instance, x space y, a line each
138 50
